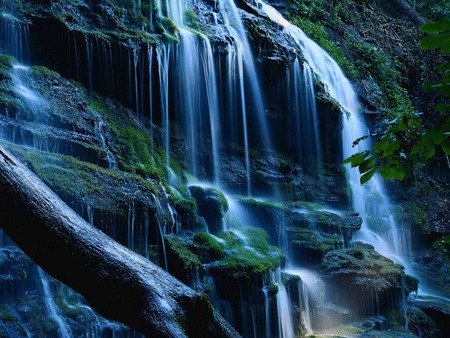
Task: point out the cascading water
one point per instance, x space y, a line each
35 108
52 309
182 100
14 35
285 322
369 200
193 61
242 79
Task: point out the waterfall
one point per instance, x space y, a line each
52 310
243 85
368 200
194 63
163 56
14 36
267 312
150 95
311 290
285 322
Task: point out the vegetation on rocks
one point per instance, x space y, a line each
247 255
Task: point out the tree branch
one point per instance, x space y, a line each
118 283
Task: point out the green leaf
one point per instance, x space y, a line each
436 27
442 108
446 146
399 172
368 175
442 68
366 165
385 172
429 151
431 42
358 140
357 158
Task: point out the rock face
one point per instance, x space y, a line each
211 205
368 283
430 315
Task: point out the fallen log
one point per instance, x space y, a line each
118 283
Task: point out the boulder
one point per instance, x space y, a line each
367 283
211 205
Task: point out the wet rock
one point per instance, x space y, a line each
420 324
435 308
14 266
182 262
315 230
211 205
368 283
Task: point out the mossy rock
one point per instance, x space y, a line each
14 266
310 246
211 205
208 247
183 262
364 277
247 255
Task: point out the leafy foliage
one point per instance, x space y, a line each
406 140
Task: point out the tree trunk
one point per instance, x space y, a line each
118 283
409 12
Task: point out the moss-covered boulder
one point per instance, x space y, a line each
208 247
211 205
315 230
308 246
367 282
246 256
182 262
271 216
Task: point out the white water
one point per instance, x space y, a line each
243 82
163 57
196 72
312 290
368 200
52 310
285 322
14 35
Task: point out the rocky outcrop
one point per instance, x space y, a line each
211 205
368 283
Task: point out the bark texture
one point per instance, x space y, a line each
118 283
409 12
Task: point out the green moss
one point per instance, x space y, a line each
411 284
443 245
134 147
316 32
44 72
182 252
8 98
7 316
263 205
420 218
208 243
308 239
360 60
192 20
70 177
244 261
6 63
